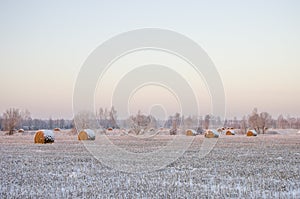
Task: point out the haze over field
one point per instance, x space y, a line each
255 46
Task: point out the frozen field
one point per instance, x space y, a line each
266 166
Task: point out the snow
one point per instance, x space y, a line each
237 167
212 131
90 133
48 134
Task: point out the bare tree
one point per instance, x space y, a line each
264 121
113 118
84 120
188 122
206 121
100 116
51 123
244 125
254 120
260 121
11 119
25 118
107 118
140 123
61 123
280 121
175 123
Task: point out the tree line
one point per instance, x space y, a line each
13 119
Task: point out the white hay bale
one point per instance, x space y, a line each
211 134
86 134
21 131
230 132
190 132
56 129
44 136
251 133
220 130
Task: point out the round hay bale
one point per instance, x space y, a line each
86 134
21 131
251 133
43 137
190 132
230 132
110 129
150 131
220 130
56 129
211 134
173 131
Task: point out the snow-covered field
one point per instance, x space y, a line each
266 166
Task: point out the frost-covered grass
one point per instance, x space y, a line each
266 166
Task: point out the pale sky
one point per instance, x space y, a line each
254 45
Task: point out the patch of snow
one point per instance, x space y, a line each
90 133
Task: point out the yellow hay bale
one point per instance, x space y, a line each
230 132
251 133
86 134
43 137
190 132
211 134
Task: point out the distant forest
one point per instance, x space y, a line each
13 119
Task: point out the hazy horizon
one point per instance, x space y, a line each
254 45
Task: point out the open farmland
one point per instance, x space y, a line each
266 166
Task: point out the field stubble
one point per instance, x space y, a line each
266 166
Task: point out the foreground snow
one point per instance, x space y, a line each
266 166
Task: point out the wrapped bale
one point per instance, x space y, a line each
150 131
220 130
56 129
190 132
21 131
173 131
43 137
211 134
230 132
251 133
86 134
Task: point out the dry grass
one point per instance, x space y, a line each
266 166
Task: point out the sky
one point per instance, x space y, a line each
254 45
